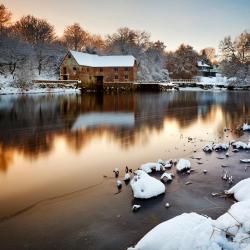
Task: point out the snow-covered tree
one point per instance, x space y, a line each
235 58
149 55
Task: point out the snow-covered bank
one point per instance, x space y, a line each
12 90
214 81
9 86
193 231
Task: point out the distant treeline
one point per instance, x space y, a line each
30 49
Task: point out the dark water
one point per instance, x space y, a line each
55 150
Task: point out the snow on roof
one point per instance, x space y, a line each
202 64
85 59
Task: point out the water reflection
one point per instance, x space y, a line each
29 125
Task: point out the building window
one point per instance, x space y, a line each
101 69
87 69
69 56
126 69
126 77
116 77
74 68
116 69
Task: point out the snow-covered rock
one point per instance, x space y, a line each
221 146
236 222
135 208
165 164
241 190
192 231
241 145
245 127
155 166
183 164
208 148
150 166
167 177
145 186
186 231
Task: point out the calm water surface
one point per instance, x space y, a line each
55 150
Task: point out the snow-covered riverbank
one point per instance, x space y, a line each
194 231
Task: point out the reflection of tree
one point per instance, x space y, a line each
30 124
6 157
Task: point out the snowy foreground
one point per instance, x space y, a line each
190 231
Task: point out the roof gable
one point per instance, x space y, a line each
85 59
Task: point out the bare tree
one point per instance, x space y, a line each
182 63
208 55
75 38
5 18
34 30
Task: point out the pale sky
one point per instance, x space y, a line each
199 23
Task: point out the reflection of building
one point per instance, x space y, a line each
99 71
109 119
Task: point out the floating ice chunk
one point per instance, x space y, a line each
145 186
166 177
241 145
220 146
208 148
183 164
245 127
